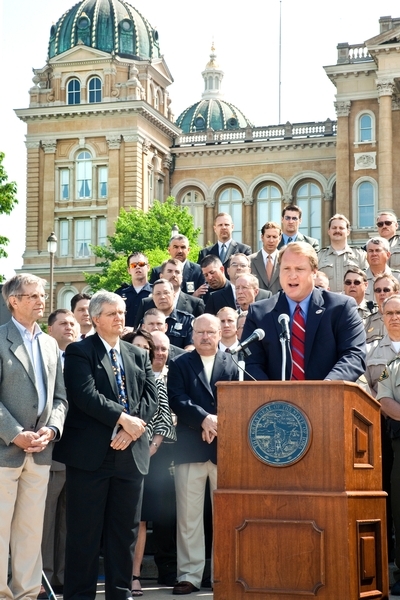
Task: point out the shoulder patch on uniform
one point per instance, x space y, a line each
384 375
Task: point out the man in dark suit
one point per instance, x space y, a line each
239 264
264 264
225 246
193 398
138 269
192 277
291 221
171 270
32 412
155 320
112 395
329 343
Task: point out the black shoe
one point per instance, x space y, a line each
206 582
169 579
395 589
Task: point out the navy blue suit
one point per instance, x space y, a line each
192 398
334 345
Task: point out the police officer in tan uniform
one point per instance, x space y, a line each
384 287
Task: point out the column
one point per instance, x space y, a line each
248 222
343 192
209 234
113 207
385 151
32 197
46 223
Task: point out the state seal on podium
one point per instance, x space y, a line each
279 433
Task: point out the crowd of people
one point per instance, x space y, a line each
110 421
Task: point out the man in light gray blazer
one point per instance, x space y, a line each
264 264
33 407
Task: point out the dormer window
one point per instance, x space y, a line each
199 123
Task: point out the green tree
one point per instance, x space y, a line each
139 231
8 199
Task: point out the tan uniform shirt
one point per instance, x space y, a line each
374 327
394 260
335 265
378 355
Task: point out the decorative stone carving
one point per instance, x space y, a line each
167 160
209 202
364 160
287 198
114 142
328 196
146 146
49 146
343 108
395 103
385 87
32 145
248 201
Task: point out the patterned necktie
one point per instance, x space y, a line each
269 267
289 240
222 254
120 379
297 342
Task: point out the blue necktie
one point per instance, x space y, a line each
120 379
222 253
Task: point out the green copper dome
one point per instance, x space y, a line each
211 114
112 26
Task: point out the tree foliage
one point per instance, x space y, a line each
139 231
8 199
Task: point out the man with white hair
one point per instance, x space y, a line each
112 395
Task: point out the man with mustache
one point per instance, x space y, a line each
337 258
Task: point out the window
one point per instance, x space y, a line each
366 204
230 202
101 231
64 238
269 206
194 202
365 128
95 90
309 198
74 91
64 184
84 175
103 182
83 237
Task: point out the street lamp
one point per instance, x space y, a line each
51 249
174 230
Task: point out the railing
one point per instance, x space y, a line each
354 53
289 131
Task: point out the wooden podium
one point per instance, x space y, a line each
315 527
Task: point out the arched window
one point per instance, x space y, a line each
194 202
269 206
74 91
95 90
230 201
365 205
309 198
84 175
365 127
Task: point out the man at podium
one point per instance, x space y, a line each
324 335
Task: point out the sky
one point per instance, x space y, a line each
246 39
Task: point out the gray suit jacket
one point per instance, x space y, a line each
258 269
19 397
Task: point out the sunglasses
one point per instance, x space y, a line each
382 223
380 290
355 282
137 264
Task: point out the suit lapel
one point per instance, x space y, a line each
218 369
198 368
17 347
128 358
45 354
260 266
231 250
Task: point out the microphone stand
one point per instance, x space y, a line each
241 365
282 339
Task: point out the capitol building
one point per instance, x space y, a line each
101 136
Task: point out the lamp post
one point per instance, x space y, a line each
51 249
174 230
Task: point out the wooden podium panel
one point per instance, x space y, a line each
315 527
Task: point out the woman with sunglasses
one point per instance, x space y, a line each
157 429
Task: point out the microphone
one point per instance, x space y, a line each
284 320
256 336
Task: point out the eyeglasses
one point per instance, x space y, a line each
380 290
291 218
382 223
137 264
355 282
33 297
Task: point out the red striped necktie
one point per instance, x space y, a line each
298 341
